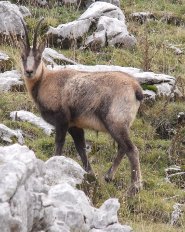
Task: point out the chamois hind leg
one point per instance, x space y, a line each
125 146
79 140
117 160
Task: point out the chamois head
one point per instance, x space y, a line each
31 55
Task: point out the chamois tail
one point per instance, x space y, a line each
139 94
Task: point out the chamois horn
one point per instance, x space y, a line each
26 42
36 32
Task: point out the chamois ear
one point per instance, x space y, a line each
22 45
41 46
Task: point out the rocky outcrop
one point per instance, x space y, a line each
26 116
163 85
10 15
108 21
10 80
38 196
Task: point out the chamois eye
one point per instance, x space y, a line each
38 57
23 57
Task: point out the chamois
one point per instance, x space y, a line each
72 100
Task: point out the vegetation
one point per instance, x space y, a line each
156 131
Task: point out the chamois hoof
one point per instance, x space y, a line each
134 189
108 178
90 177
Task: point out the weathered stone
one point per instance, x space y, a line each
64 34
35 120
42 2
52 57
106 214
70 206
7 134
173 19
175 49
60 169
98 9
5 62
7 222
107 18
176 214
115 32
96 40
28 203
10 80
142 17
24 11
10 19
3 56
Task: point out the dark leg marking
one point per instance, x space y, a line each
79 140
61 130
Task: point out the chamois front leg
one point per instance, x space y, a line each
79 140
61 131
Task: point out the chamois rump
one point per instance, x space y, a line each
72 100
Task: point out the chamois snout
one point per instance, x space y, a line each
29 73
30 64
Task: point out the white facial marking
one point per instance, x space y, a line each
30 61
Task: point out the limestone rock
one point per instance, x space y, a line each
142 17
98 9
60 169
67 33
10 80
24 11
3 56
42 2
10 15
35 120
107 18
111 34
175 49
7 134
4 62
29 202
19 173
50 56
106 214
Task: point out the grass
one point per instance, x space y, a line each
151 209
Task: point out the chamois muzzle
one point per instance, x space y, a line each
28 73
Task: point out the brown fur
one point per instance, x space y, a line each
72 100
